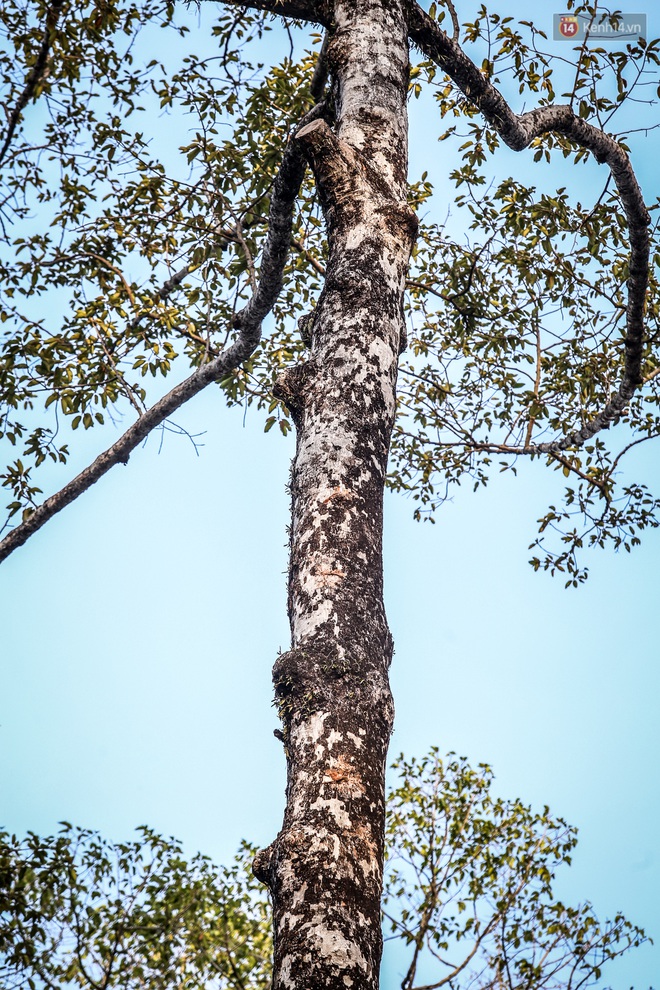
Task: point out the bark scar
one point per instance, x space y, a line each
346 178
334 774
262 864
343 494
339 574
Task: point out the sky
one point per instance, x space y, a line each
140 625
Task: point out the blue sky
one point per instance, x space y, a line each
139 628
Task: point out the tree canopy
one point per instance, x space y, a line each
468 898
149 249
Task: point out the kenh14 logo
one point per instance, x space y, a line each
568 26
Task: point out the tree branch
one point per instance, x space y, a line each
35 75
597 483
248 322
518 131
302 10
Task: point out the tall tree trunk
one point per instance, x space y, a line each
325 867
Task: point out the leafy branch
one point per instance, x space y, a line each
517 132
248 323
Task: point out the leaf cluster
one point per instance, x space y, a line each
134 209
517 327
469 887
78 911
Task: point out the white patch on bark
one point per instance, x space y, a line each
381 354
368 867
337 949
333 737
335 808
310 732
359 233
299 896
306 623
285 973
325 843
326 452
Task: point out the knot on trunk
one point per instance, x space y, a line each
262 865
304 680
350 186
401 222
292 386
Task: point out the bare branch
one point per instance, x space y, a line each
597 483
537 382
518 131
248 322
35 75
454 19
320 77
461 966
120 451
302 10
316 265
468 443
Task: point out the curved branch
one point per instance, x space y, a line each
518 131
248 322
35 75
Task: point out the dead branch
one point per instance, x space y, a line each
302 10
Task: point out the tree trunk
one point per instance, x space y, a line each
324 869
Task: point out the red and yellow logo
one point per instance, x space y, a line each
568 26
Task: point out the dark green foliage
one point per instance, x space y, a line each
77 911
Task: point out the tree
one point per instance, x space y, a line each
468 884
324 869
79 911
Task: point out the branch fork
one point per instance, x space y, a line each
346 180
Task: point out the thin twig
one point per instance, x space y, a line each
537 384
454 19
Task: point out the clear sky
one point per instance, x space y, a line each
139 628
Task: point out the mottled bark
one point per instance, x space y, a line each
325 867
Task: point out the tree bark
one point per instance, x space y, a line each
324 869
